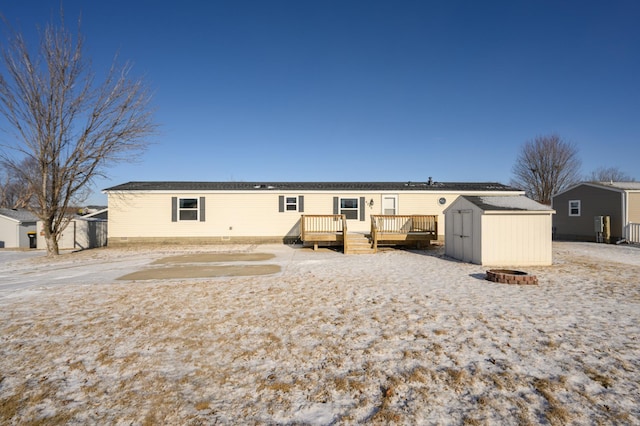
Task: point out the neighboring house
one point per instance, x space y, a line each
93 209
17 228
251 212
578 207
499 231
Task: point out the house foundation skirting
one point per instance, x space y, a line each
129 241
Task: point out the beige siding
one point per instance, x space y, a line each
421 203
227 215
633 202
516 239
245 214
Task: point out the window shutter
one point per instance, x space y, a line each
361 209
202 217
174 209
281 203
301 203
336 202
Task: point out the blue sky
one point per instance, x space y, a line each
366 90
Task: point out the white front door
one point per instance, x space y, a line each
390 204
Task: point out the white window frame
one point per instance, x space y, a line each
290 206
356 209
182 209
395 204
577 207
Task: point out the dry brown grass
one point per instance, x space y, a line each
263 349
554 412
604 380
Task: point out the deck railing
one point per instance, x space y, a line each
633 232
403 224
403 228
325 227
323 223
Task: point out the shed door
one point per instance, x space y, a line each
462 232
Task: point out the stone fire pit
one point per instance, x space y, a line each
509 276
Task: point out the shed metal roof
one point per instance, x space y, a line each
310 186
507 203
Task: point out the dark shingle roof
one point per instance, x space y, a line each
311 186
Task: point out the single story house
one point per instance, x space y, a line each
17 228
498 230
580 210
252 212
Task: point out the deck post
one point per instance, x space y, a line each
344 235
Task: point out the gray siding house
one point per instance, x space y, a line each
578 207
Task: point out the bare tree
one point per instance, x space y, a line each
609 174
545 166
65 122
14 191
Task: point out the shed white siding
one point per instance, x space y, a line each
498 236
80 234
516 239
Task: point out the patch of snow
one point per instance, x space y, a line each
399 337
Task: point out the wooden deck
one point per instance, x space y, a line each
416 230
331 229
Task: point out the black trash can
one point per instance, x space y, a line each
33 242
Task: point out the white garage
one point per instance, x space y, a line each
82 232
498 231
17 228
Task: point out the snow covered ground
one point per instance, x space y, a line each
399 337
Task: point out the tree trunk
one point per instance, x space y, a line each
52 241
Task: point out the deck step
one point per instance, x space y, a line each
358 244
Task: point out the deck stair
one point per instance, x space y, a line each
358 244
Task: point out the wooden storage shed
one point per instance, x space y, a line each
498 231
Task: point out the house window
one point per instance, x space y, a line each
574 208
188 209
287 203
291 204
349 207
